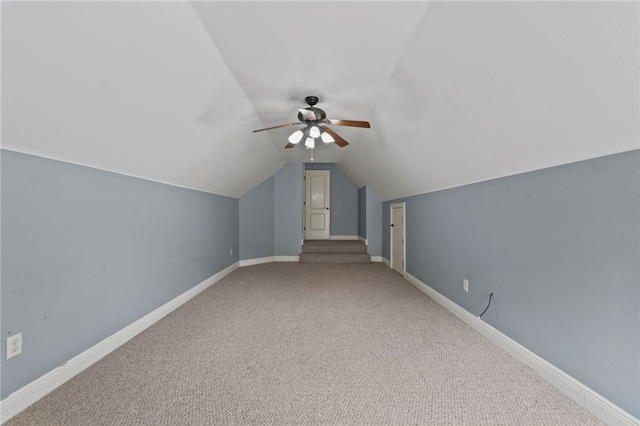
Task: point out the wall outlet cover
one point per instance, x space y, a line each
14 345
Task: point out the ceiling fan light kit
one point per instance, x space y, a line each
313 118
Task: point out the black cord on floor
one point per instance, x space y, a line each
485 309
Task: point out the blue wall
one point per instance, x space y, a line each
271 215
373 222
289 209
87 252
344 201
362 212
257 221
559 248
370 220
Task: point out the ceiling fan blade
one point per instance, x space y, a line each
339 141
352 123
289 145
309 115
276 127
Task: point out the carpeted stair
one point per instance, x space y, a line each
334 251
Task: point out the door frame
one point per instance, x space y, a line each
404 236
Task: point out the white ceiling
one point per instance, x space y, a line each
456 92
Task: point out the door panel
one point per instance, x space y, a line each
318 192
317 209
317 222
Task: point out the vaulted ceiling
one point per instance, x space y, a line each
456 92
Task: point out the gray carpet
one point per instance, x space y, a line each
288 343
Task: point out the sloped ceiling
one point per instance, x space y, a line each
456 92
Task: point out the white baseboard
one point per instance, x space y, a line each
256 261
268 259
363 240
386 262
27 395
602 408
344 237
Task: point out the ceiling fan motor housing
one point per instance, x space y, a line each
320 115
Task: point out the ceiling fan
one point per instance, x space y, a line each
316 122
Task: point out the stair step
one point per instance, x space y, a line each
333 246
335 258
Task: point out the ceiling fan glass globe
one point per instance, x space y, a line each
296 136
314 132
327 138
310 143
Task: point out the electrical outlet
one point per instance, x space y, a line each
14 345
465 285
230 252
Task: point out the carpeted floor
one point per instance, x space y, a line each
287 343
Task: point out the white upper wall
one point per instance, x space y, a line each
132 87
488 89
456 92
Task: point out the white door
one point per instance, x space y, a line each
397 238
317 213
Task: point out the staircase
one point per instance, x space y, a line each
334 251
